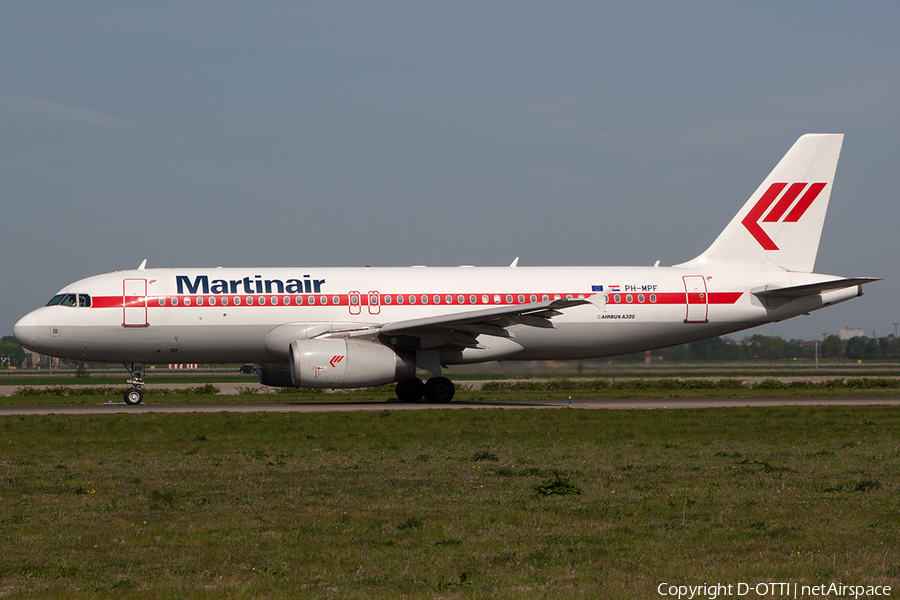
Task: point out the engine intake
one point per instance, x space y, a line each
343 363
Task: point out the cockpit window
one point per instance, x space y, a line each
70 300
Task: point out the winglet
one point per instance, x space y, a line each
143 265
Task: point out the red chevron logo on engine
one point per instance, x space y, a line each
335 360
785 200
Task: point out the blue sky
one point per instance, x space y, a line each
398 133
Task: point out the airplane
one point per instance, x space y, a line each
360 327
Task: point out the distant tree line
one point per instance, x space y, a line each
767 347
11 353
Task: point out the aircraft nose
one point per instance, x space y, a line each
25 331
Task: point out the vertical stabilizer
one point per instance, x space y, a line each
780 225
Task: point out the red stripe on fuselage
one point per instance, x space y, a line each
389 300
675 298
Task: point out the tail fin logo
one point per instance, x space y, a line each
786 210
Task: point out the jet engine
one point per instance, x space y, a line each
343 363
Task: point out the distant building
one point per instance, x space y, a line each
851 332
33 360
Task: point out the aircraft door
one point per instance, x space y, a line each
353 301
696 298
134 303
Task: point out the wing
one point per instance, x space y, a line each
461 329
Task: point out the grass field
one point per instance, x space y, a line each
449 504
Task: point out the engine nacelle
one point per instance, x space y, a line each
343 363
275 374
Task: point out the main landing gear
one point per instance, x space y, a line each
436 389
135 395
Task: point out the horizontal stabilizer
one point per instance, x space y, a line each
811 289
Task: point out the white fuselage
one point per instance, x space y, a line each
229 315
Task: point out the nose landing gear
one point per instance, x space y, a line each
135 395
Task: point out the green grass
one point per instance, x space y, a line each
449 504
